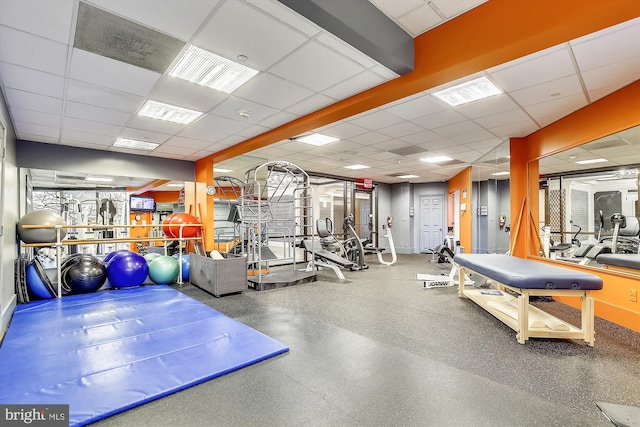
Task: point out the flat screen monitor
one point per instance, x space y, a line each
142 204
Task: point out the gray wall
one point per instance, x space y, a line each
9 213
74 159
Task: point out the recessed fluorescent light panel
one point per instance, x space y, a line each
500 173
135 144
468 92
356 167
208 69
407 176
591 161
317 139
221 170
436 159
170 113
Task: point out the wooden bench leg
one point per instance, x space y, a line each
523 316
461 276
588 318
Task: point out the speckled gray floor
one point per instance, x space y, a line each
380 350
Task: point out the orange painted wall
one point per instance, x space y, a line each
462 182
616 112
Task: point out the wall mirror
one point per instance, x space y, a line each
589 200
490 201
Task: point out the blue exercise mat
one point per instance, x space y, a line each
105 352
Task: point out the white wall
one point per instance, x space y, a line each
9 203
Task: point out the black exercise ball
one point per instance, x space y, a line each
40 235
82 273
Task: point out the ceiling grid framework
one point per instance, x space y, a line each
60 94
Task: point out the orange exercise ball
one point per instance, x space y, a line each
177 220
165 225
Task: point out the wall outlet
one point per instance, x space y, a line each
634 295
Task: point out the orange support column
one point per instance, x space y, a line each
204 202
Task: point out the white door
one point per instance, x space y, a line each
431 222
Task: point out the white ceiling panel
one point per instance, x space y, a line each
143 135
416 107
559 88
91 127
106 72
179 18
175 91
440 119
20 48
545 111
401 129
49 19
37 129
616 75
96 114
608 46
535 71
451 8
272 91
68 136
310 104
240 29
147 123
376 120
33 101
309 67
229 109
420 19
178 141
355 84
86 93
30 80
36 117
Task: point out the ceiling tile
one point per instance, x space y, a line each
178 141
538 69
20 48
87 93
612 76
284 14
440 119
96 114
607 46
316 67
32 101
395 8
229 109
492 105
180 92
416 107
178 18
344 130
147 123
37 129
310 104
272 91
420 20
143 135
355 84
90 127
49 19
36 117
559 88
376 120
112 74
68 135
401 130
30 80
551 108
262 39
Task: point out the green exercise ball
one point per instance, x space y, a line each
151 256
164 269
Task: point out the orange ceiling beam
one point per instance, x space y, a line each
491 34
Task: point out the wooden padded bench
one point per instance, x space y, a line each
517 279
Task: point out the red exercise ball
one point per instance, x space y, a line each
183 218
165 225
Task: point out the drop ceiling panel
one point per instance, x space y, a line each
106 72
33 101
615 75
36 117
308 67
146 123
20 48
491 105
272 91
91 94
229 109
37 129
607 46
178 18
96 114
91 127
421 137
369 138
395 8
440 119
143 135
178 141
453 8
376 120
559 88
278 119
50 19
343 130
68 136
240 29
416 107
212 128
355 84
175 91
419 20
535 71
551 108
401 130
310 104
30 80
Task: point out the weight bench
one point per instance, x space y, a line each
629 263
518 279
325 258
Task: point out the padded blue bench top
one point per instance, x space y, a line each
527 274
620 260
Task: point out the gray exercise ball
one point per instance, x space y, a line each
40 235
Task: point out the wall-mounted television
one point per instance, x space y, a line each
142 204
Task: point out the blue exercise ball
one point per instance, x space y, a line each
111 254
164 269
82 273
185 268
127 269
36 284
